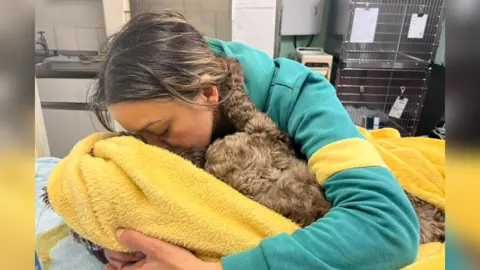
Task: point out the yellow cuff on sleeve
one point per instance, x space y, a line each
343 155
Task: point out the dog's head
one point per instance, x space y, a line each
194 155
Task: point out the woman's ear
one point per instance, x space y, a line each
211 94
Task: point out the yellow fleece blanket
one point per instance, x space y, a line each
95 188
418 163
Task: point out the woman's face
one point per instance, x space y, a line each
173 122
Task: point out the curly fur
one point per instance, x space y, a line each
431 219
260 162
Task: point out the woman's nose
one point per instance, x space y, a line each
157 143
151 139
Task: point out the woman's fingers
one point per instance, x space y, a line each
160 255
123 256
119 259
143 264
139 242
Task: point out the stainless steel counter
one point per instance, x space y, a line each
67 65
45 73
42 71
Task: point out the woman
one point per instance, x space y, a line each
163 80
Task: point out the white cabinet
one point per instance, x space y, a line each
257 24
41 141
66 127
64 90
67 120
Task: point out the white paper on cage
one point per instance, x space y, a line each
364 25
417 26
398 107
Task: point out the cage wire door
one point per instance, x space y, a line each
372 92
392 47
373 75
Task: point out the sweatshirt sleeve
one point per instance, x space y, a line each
372 224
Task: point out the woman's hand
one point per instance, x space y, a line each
153 254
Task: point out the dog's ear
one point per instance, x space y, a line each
44 197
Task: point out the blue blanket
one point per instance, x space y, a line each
66 254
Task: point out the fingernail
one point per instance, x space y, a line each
119 233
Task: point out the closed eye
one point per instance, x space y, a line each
159 130
164 134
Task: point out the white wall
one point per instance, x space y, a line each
116 13
211 17
71 24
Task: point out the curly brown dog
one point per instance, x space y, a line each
258 160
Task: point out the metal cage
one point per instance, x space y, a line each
371 76
365 92
392 48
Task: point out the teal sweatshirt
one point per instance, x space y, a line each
372 224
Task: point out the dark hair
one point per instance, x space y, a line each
155 56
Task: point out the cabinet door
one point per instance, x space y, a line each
41 140
66 127
64 90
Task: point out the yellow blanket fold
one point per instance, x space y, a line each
417 163
95 188
431 256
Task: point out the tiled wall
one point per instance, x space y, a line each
211 17
71 24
